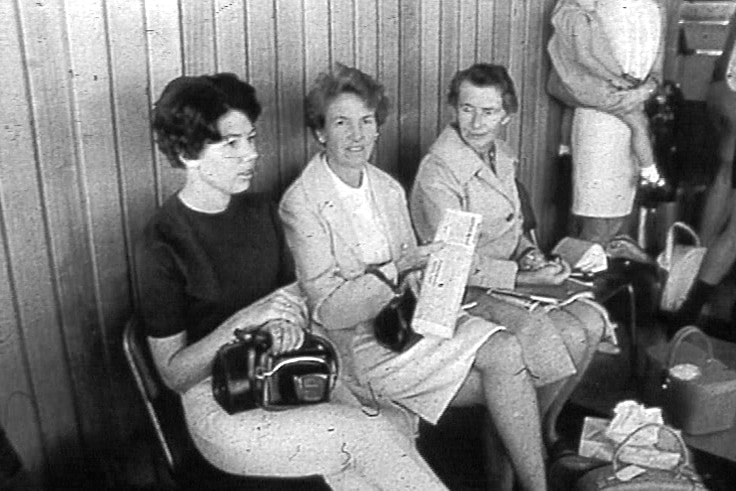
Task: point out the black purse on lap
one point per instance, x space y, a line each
392 326
246 375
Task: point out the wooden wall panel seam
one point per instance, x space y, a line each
46 430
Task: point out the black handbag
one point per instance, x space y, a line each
392 326
246 375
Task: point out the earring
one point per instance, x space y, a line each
321 140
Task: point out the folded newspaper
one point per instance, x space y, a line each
446 274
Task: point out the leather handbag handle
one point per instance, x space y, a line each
680 337
684 453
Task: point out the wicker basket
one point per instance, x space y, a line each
682 263
705 403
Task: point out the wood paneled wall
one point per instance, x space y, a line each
79 175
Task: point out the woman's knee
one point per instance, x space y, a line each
501 353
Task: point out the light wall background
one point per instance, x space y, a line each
79 175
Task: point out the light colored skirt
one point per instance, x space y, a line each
351 449
605 171
425 378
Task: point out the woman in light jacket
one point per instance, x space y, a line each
348 226
470 168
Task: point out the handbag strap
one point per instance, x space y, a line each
679 338
670 241
684 453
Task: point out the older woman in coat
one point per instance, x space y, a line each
469 168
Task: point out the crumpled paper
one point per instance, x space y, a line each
630 415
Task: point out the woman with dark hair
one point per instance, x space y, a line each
348 226
213 260
469 168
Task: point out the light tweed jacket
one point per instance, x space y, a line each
341 296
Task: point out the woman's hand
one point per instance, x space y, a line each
416 259
532 260
285 336
553 273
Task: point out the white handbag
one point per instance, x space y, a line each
682 263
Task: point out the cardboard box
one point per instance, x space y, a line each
593 440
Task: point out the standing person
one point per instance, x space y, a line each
718 228
348 226
469 168
607 57
212 260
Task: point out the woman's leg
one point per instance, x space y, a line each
499 379
717 263
350 449
581 334
717 204
600 230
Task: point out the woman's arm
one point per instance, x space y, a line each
585 73
435 190
336 300
181 366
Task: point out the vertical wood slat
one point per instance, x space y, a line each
486 29
290 83
342 31
366 36
262 59
388 54
468 33
136 182
80 176
198 50
449 63
165 62
61 311
316 57
67 218
95 149
230 37
131 101
407 100
431 92
19 414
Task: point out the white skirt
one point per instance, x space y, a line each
605 170
425 378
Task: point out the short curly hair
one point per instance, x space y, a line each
486 75
343 80
185 116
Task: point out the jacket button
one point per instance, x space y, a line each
509 217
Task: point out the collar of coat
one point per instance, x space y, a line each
386 194
465 163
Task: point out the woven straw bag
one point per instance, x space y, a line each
682 263
705 403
